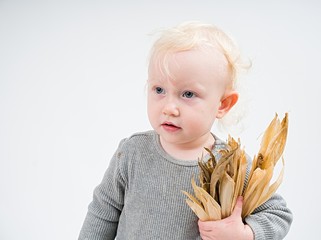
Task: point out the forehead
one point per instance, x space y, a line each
190 64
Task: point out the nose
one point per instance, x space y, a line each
171 109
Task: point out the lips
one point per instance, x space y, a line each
170 127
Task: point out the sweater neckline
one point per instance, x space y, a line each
189 163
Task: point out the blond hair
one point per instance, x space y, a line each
196 35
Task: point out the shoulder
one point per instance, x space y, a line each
222 145
137 139
219 145
143 136
137 142
132 148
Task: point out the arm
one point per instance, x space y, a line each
271 220
103 212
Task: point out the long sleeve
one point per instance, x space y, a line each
103 212
140 198
271 220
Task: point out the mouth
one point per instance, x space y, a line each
168 126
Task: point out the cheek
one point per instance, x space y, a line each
152 109
201 118
149 109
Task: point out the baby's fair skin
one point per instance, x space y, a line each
182 108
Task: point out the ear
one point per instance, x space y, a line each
227 102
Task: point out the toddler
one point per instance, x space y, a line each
191 82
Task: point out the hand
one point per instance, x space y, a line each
230 228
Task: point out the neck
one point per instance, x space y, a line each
187 151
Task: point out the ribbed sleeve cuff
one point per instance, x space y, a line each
259 233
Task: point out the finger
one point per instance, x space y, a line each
205 235
202 225
237 212
205 226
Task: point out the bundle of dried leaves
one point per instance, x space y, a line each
223 180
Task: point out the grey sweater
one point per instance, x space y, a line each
140 197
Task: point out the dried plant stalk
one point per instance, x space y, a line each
223 181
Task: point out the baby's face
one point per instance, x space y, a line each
182 108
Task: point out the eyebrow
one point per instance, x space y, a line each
195 86
198 87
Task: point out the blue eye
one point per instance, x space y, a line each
159 90
188 94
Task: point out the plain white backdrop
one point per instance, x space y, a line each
72 78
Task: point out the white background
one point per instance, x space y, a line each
72 77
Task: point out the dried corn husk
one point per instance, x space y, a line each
223 181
